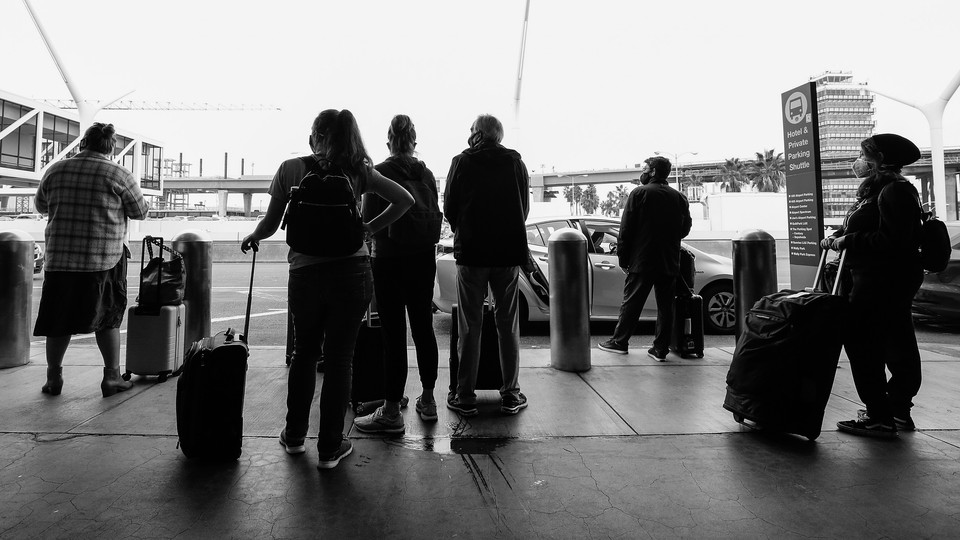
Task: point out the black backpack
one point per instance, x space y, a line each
935 246
421 224
322 216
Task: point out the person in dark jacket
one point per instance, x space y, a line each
486 202
655 219
881 235
404 269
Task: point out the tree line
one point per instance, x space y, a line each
765 173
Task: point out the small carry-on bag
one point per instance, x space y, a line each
686 336
367 384
210 393
786 359
155 325
489 376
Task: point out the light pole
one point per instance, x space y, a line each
676 161
573 191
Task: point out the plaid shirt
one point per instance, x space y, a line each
88 198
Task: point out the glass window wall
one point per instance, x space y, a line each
18 149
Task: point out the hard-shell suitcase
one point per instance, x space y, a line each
210 393
786 359
686 336
154 341
489 376
154 331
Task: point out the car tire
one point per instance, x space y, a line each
719 308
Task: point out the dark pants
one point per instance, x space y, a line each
328 301
636 289
404 288
881 336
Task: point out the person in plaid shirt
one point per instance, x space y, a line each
88 198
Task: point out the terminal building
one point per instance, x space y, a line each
34 135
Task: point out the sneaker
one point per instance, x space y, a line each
427 411
465 409
332 459
612 346
294 447
378 422
904 423
868 427
657 354
511 404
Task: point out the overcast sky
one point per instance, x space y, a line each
606 82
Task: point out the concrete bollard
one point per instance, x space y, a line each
754 271
16 297
569 301
196 246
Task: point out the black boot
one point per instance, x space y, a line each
54 381
112 383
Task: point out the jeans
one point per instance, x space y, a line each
328 301
472 284
880 336
404 287
636 289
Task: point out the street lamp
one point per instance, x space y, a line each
676 161
573 189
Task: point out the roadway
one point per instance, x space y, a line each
269 313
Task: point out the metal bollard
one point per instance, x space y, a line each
197 249
16 297
569 301
754 271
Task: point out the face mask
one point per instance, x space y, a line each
861 168
645 178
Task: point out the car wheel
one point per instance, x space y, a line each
719 308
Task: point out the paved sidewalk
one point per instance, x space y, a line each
632 448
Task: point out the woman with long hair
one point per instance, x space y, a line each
404 268
881 237
328 296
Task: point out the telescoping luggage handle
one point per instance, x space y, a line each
822 266
246 320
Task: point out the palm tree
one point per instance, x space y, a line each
731 175
589 200
615 202
766 172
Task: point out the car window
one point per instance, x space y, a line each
603 235
533 236
550 227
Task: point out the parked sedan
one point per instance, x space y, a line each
38 258
713 281
938 299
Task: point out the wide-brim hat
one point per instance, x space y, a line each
897 151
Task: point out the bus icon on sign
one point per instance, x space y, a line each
796 108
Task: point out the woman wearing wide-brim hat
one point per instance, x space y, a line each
881 236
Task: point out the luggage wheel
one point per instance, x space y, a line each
699 355
745 422
162 377
125 376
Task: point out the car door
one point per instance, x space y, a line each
538 236
608 277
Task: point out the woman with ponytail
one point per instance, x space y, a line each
328 296
404 268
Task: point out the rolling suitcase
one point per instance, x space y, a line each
786 359
686 335
154 331
367 384
210 393
489 376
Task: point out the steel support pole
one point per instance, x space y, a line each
569 301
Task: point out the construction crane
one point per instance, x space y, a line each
139 105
